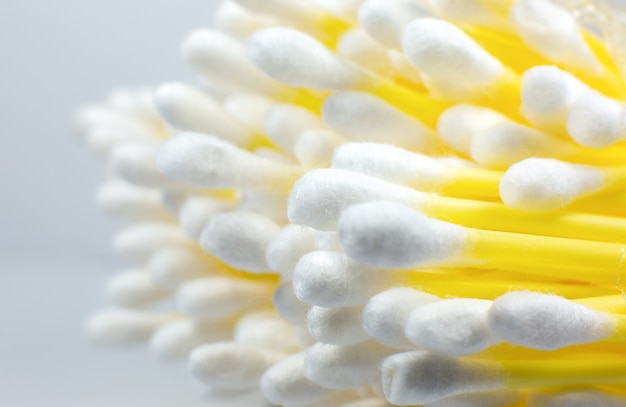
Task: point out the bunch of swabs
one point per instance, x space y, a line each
379 202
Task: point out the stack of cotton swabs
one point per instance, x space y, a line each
415 202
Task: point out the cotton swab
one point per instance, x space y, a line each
195 213
575 397
385 20
385 314
175 340
359 116
299 60
288 306
285 383
232 19
212 298
358 47
548 94
344 367
266 330
118 327
318 198
134 288
389 235
554 33
499 398
543 185
429 42
137 242
336 326
231 365
209 162
421 377
190 110
596 121
287 247
171 266
284 123
239 239
248 109
128 202
314 148
456 326
326 279
549 322
418 171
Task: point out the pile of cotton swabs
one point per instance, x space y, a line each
364 203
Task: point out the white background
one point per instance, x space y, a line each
56 55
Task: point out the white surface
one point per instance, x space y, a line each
55 252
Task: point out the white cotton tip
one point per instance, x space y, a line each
554 33
548 93
124 327
222 59
134 288
293 11
328 240
332 279
546 322
458 125
314 148
390 235
268 331
404 68
360 116
575 398
596 121
504 144
392 164
298 60
188 109
136 163
318 198
196 212
288 306
368 402
455 326
231 365
170 267
212 298
502 398
206 161
287 247
175 340
234 20
538 185
344 367
125 201
336 326
284 123
385 20
422 377
358 47
137 242
239 239
385 314
272 204
248 109
443 51
285 383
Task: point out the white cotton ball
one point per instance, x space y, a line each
389 235
455 326
385 314
537 185
546 322
124 327
239 239
336 326
595 120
